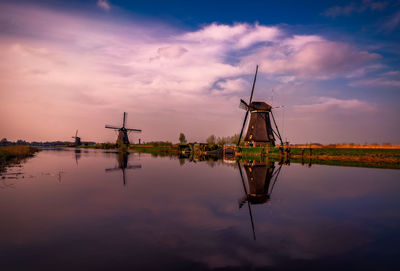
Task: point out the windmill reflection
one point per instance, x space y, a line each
261 179
77 155
122 159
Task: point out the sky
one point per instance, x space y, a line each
178 66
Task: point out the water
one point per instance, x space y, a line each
93 210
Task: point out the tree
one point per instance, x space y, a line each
211 140
182 138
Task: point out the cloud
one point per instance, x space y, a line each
353 7
376 82
170 52
230 86
103 4
392 23
89 71
237 36
332 104
310 57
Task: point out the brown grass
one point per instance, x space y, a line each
14 154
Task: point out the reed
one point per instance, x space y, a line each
15 153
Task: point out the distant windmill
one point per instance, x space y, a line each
77 139
123 132
260 131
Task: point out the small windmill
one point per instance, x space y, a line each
260 131
123 132
77 139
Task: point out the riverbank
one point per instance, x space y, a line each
364 157
15 154
325 155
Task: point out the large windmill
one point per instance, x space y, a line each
123 132
260 131
77 139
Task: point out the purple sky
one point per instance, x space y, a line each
64 69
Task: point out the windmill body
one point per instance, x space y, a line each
123 136
77 139
123 132
259 132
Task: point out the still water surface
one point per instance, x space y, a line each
97 210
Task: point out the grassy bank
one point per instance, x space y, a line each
15 154
380 158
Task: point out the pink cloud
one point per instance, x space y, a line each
85 73
376 82
309 58
330 104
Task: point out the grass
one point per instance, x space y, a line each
14 154
155 149
379 158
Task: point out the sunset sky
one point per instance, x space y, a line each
183 66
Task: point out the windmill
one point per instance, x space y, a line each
77 139
123 132
261 179
122 158
260 132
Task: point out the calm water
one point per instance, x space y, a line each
92 210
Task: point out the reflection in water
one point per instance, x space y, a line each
122 158
187 218
261 178
77 155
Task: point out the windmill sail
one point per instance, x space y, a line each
247 112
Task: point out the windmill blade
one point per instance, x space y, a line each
248 203
244 124
276 178
112 127
134 130
243 105
247 112
123 123
112 169
134 167
254 83
277 130
76 134
123 176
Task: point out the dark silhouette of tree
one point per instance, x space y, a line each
211 140
182 138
